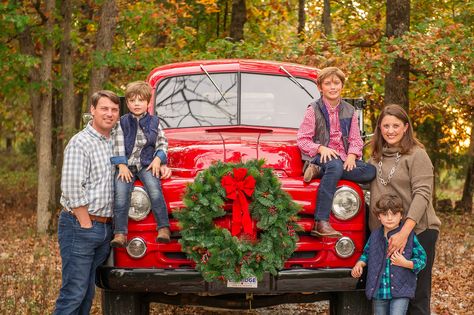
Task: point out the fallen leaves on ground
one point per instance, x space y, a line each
30 272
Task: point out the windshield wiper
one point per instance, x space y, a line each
214 83
293 79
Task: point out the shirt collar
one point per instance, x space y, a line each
90 130
329 107
140 116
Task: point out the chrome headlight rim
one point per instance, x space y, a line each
142 242
345 215
131 211
340 243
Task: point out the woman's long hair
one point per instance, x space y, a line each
408 140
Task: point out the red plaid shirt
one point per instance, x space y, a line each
305 134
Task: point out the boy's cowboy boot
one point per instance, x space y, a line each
120 240
311 172
324 229
163 235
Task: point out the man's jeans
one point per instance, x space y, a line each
82 251
123 192
396 306
332 171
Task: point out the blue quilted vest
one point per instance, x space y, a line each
402 280
322 126
149 125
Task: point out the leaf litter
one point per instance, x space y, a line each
30 272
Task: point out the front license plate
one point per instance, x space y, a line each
246 283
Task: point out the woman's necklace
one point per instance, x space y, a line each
392 170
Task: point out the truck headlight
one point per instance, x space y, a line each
140 204
346 203
345 247
136 247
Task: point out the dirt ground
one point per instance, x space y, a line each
30 271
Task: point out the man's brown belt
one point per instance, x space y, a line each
95 218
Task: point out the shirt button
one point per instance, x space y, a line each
392 287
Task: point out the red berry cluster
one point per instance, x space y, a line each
291 230
272 210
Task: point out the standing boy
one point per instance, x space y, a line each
84 228
330 143
391 281
139 152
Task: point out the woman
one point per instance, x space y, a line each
403 167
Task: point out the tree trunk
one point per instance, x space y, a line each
226 13
238 19
27 48
301 18
67 78
397 80
45 126
104 42
327 24
468 191
64 113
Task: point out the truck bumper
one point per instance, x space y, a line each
191 281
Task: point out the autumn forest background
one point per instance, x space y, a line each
54 54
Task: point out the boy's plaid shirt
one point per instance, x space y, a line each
161 145
419 262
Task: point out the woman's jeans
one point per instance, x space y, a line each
82 251
123 192
397 306
332 171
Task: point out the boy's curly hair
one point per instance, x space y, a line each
389 202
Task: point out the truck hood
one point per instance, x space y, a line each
194 149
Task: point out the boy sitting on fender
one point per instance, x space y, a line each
330 143
140 149
391 281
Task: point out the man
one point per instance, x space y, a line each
329 140
85 229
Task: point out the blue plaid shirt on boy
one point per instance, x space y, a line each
419 262
88 175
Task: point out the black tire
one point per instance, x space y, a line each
120 303
350 303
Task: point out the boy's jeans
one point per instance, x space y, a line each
82 251
332 171
396 306
123 192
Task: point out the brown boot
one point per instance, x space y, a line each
311 172
120 240
324 229
163 235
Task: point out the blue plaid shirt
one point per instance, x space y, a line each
88 175
419 262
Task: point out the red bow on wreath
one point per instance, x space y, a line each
238 188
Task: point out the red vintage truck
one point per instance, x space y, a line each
235 111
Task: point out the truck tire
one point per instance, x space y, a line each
350 303
120 303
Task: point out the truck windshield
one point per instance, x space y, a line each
264 100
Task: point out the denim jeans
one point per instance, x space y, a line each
332 171
123 192
82 251
396 306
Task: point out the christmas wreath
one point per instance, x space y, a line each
263 228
